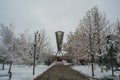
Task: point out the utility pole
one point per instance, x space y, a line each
35 44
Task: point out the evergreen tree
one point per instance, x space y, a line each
109 59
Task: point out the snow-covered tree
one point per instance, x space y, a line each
89 35
44 48
12 47
117 26
19 49
7 39
23 47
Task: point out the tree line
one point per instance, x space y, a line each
20 48
95 35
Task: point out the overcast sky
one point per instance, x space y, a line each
52 15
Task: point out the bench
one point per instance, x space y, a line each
8 73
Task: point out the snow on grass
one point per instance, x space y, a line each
87 71
23 72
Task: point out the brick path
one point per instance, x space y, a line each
61 72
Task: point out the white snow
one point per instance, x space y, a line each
97 71
23 72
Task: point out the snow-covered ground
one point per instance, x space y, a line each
23 72
87 71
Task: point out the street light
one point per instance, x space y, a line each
59 40
35 45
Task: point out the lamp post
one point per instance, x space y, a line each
59 40
35 45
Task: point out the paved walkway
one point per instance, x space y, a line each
61 72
